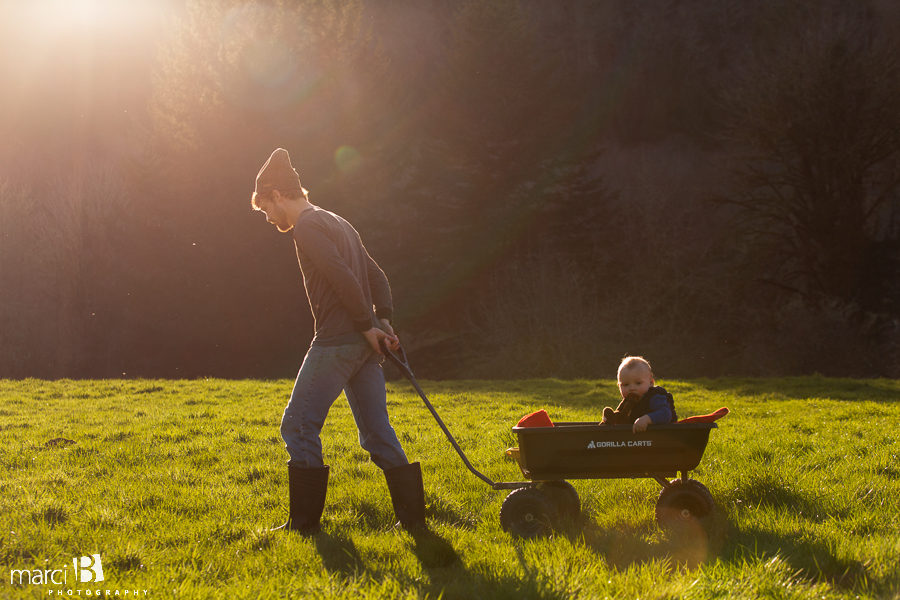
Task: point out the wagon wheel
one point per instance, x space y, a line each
683 502
527 512
564 498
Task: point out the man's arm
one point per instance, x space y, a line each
384 304
380 288
313 241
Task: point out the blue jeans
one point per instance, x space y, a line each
326 370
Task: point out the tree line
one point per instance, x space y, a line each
548 186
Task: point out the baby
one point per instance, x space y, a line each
642 402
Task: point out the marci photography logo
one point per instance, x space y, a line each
88 569
85 570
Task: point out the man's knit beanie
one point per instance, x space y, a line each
278 174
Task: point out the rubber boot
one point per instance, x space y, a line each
407 495
306 491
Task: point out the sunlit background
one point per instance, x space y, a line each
549 185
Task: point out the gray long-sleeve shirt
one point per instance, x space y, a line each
343 283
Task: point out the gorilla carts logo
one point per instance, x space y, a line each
592 445
88 569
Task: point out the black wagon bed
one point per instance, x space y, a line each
578 450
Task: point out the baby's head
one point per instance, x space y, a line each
635 376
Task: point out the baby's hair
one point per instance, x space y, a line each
630 362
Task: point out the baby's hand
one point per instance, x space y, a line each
641 424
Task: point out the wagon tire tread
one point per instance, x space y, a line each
564 497
683 501
527 513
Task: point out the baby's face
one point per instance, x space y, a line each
636 380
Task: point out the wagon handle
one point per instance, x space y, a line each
402 363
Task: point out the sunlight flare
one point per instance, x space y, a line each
86 15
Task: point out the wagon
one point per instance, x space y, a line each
550 456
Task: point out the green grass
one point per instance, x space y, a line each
175 484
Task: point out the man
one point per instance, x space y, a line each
351 304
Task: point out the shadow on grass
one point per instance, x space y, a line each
433 551
447 578
718 537
447 575
813 560
766 489
456 582
623 545
696 543
339 555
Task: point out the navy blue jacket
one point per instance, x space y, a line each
659 404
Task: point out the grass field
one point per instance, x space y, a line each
175 483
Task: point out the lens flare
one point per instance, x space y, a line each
347 159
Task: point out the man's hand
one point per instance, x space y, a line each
386 327
393 344
375 335
641 424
